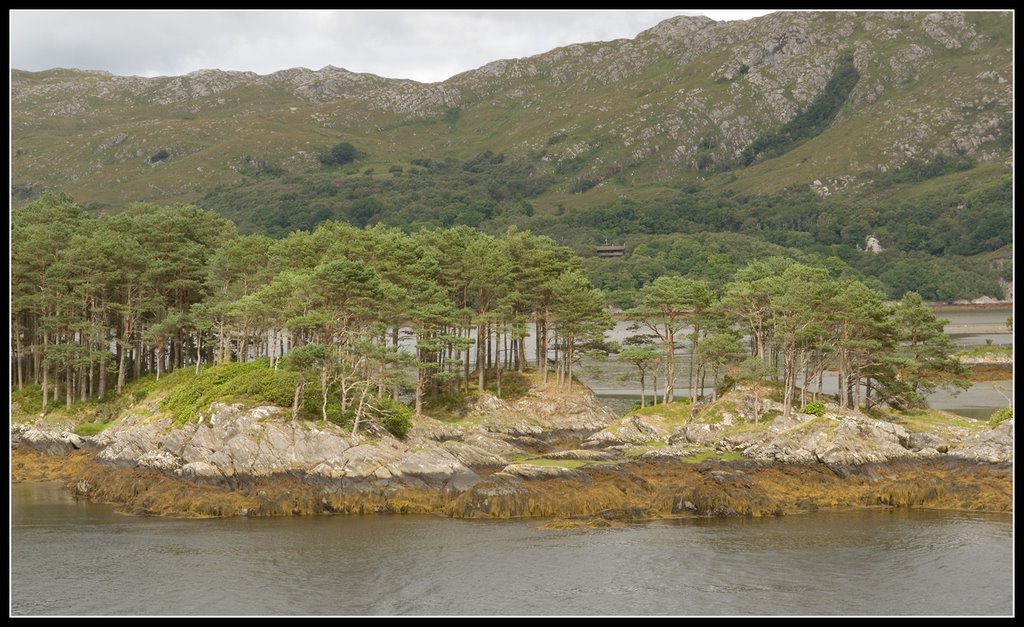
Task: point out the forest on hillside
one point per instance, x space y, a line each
936 244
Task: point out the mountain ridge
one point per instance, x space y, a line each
681 100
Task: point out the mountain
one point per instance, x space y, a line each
833 134
688 96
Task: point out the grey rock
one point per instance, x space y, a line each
993 446
47 442
160 460
925 441
531 472
474 457
582 454
842 440
668 452
696 433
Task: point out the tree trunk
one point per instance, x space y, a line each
101 391
465 368
359 410
420 372
137 362
83 384
670 364
570 349
480 357
643 393
806 375
243 349
692 379
18 355
69 388
122 367
324 391
788 380
394 343
295 401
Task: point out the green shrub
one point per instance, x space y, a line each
253 382
816 408
1001 415
339 154
394 416
29 399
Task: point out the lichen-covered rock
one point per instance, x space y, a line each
48 442
840 440
992 446
926 442
533 472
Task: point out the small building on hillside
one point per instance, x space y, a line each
610 252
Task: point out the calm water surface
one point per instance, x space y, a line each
79 558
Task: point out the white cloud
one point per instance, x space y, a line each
422 45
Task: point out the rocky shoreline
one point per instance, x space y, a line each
546 454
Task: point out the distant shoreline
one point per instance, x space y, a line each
952 307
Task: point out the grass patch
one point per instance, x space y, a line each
932 419
713 455
253 382
561 463
674 413
990 350
29 400
91 428
1000 416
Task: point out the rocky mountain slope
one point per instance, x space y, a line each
688 98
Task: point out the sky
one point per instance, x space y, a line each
426 46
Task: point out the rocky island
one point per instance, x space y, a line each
548 453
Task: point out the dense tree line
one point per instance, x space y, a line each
99 301
800 322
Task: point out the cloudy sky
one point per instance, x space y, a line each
426 46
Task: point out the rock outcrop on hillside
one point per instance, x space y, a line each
689 93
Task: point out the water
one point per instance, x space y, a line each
618 386
79 558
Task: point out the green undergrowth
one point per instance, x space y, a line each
189 394
934 419
674 413
712 455
91 428
561 463
987 351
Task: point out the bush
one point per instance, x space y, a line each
1000 416
254 382
816 408
339 154
393 416
29 399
